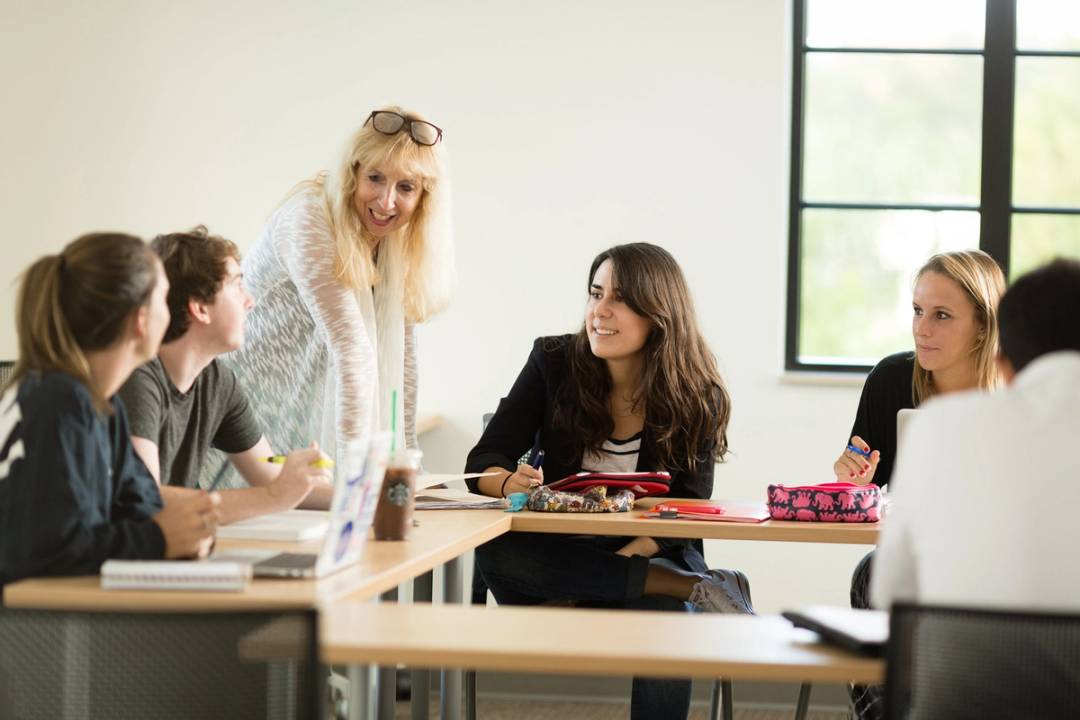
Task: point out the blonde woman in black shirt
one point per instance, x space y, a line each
954 328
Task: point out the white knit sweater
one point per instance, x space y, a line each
312 341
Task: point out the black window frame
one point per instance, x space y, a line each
995 193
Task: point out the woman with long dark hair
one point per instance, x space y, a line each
636 388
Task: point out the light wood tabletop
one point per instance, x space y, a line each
591 642
633 524
440 536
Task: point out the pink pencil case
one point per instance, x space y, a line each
829 502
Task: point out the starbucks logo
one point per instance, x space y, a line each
398 494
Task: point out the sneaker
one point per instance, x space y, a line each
723 591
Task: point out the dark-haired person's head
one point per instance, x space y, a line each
205 286
1039 315
639 310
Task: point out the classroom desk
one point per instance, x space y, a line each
441 537
590 642
633 524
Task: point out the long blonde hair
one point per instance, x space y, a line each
427 239
80 300
980 277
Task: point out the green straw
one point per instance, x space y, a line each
393 421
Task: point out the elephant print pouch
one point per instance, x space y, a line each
829 502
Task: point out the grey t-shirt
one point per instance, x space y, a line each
213 412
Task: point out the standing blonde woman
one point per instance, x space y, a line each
345 268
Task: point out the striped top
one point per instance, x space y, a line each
614 456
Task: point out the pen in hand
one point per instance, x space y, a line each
536 459
858 451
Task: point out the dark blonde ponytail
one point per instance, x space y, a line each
79 301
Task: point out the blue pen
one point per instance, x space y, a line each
859 451
536 459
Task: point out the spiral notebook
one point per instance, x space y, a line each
175 575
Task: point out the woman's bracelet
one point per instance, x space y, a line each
502 490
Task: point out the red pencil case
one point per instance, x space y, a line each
829 502
642 484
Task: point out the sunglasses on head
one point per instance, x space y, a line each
391 123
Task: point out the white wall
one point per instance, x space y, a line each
571 125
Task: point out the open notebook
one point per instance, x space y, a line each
288 526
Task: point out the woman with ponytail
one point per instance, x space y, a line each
72 491
955 332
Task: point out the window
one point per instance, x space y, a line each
919 127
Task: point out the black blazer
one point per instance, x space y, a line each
524 417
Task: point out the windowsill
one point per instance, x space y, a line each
822 379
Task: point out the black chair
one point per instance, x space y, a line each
159 665
959 663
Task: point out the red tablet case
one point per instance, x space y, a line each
642 484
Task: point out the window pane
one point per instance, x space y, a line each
1046 156
858 268
892 128
933 24
1037 239
1048 25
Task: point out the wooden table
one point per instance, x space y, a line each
441 537
591 642
633 524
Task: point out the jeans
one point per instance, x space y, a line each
530 568
867 701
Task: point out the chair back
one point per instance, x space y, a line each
961 663
159 665
6 366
